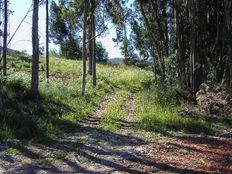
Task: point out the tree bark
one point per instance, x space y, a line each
35 48
47 41
195 43
181 45
84 49
228 22
94 48
90 51
5 37
161 42
218 44
157 44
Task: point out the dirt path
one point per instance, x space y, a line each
89 149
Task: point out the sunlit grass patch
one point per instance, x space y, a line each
128 78
114 111
13 151
161 117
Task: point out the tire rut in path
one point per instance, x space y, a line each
88 149
130 120
108 152
94 119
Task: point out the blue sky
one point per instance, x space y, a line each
22 39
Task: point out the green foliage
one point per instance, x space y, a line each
165 117
6 132
144 64
13 151
141 40
70 49
170 64
166 93
101 54
158 108
64 28
228 121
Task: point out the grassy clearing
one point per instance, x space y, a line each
60 104
114 111
159 113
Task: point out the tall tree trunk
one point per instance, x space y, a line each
5 36
165 30
192 43
84 49
162 42
93 42
90 37
47 40
195 43
218 44
35 48
90 51
157 43
200 58
181 46
1 32
228 22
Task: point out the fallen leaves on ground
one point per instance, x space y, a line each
193 153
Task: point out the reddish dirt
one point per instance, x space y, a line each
194 154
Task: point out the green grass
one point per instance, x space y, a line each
114 111
13 151
60 104
159 114
5 131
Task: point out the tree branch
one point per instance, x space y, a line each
29 10
99 34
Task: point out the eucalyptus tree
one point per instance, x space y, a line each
228 41
35 48
92 40
86 6
5 37
65 25
47 39
155 20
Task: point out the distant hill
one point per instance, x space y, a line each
115 61
13 52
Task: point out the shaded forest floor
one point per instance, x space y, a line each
89 148
124 125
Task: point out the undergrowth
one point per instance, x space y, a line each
158 108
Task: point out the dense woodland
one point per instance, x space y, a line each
167 108
185 40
